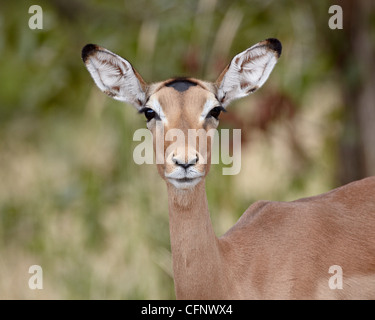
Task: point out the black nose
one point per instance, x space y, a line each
186 165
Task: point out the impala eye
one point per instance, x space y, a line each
149 114
215 112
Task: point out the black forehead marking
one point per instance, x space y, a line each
181 85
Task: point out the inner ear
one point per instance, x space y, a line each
248 71
114 75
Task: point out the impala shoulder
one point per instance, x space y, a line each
265 210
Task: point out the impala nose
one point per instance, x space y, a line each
184 164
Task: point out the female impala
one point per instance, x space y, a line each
276 249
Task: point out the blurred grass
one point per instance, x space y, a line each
71 197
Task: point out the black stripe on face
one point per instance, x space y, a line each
181 85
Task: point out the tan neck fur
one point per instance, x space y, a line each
197 261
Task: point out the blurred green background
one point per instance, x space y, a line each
73 201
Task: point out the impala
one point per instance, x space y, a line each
277 250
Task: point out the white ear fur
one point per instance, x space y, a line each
114 75
248 71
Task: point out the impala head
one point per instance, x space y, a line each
182 103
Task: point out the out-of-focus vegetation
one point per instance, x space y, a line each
73 201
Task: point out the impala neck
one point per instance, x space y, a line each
197 263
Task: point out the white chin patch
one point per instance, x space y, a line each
184 183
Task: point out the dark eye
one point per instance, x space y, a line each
149 113
215 112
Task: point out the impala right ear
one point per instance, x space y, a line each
248 71
114 75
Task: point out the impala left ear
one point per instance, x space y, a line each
248 71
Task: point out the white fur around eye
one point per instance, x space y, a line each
208 106
156 106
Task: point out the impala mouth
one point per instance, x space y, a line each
184 183
186 179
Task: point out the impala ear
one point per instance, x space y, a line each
114 75
248 71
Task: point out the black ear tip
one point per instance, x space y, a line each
87 50
275 45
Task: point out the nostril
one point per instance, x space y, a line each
179 163
184 164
